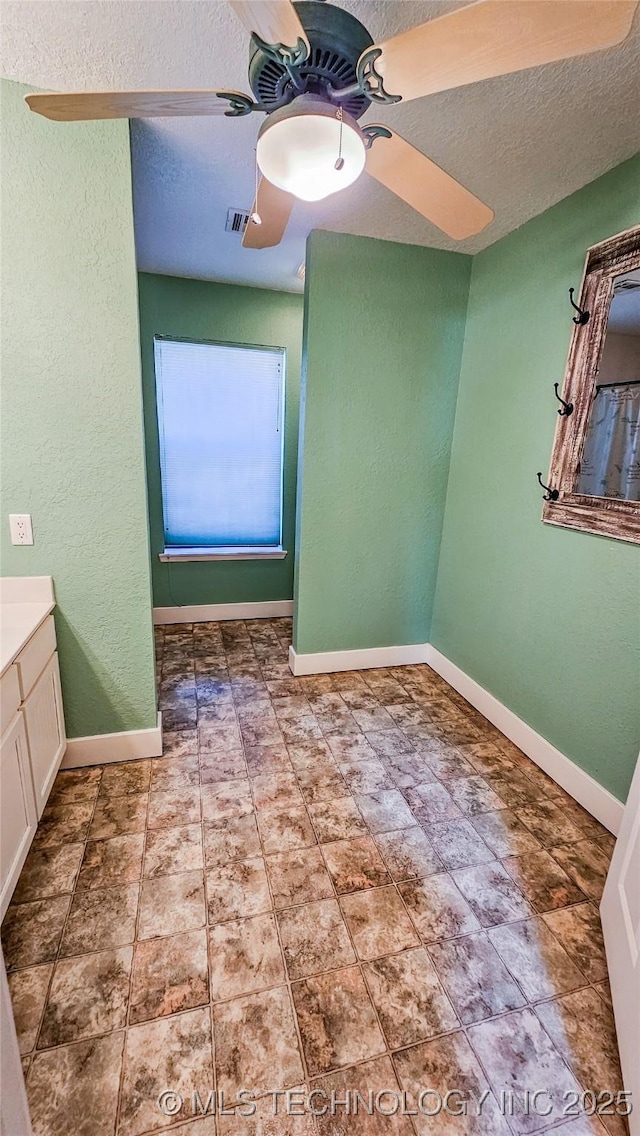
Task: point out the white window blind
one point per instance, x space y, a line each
220 415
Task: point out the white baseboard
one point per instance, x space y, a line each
102 749
580 785
211 613
323 662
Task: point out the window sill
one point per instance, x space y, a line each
186 555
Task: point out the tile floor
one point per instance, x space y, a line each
341 882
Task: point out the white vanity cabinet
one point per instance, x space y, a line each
44 721
32 741
18 819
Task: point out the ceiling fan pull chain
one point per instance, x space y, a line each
256 219
340 162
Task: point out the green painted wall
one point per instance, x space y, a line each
197 309
384 326
71 443
545 618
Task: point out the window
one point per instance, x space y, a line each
220 421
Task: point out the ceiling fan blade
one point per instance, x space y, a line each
275 21
273 206
496 37
73 107
428 189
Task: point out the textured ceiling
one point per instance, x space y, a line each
521 142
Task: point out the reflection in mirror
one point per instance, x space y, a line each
610 464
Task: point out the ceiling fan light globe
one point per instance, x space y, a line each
299 151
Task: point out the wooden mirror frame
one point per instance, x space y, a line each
607 516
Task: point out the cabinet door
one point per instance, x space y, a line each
45 730
18 818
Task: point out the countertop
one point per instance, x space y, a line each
18 622
25 603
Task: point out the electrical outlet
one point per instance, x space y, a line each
20 528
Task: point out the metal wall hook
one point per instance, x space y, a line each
582 316
567 407
551 494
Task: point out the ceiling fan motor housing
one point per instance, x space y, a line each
337 40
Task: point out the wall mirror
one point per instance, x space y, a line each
594 478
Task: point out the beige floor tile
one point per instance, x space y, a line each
89 995
542 881
223 766
115 816
376 1076
237 890
390 743
459 829
224 799
505 834
492 894
317 784
273 1116
474 795
31 932
174 807
579 931
73 785
284 829
64 824
125 777
458 844
548 823
536 959
337 819
169 904
244 957
446 763
350 747
110 862
378 922
169 975
28 989
298 877
408 854
172 850
336 1019
48 871
267 759
255 1040
475 978
174 773
233 838
100 919
587 864
442 1065
432 803
437 908
74 1089
354 864
275 789
409 998
365 776
385 810
173 1052
518 1056
581 1026
314 938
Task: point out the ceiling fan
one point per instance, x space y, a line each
314 70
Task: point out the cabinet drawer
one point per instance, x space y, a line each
9 696
32 659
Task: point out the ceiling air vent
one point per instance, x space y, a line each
236 221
